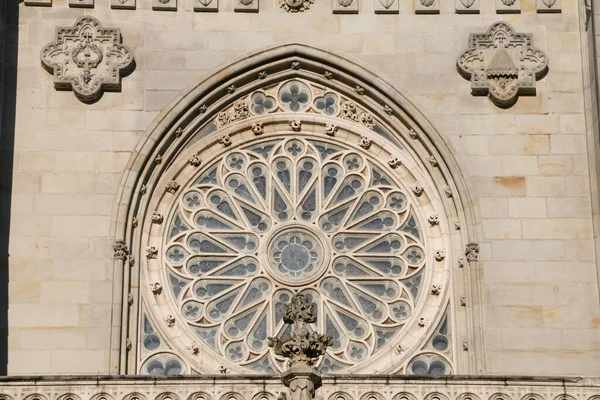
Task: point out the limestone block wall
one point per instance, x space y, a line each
527 167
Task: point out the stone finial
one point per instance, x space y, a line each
303 345
87 58
502 64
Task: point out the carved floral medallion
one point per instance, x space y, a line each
502 64
87 58
295 5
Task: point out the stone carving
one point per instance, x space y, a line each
81 3
303 345
502 64
417 189
548 6
472 252
172 187
225 140
467 6
448 191
120 249
394 162
206 5
155 288
345 6
436 289
440 255
334 388
330 129
122 4
257 129
240 110
295 125
151 252
245 5
434 220
164 5
433 161
365 143
387 7
359 90
427 7
195 161
157 218
169 320
193 349
87 58
508 6
588 7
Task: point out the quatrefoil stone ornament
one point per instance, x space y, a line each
502 64
87 59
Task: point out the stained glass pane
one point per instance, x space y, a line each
285 215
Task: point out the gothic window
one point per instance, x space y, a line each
294 187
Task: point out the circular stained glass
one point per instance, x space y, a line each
279 216
296 256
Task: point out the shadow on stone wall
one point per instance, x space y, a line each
9 38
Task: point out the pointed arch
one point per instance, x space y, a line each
189 120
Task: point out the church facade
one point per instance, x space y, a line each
189 186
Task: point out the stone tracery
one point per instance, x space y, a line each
363 130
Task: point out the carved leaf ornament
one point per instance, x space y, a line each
467 3
87 58
502 64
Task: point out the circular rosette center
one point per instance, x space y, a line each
296 256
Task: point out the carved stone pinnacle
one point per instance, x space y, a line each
303 345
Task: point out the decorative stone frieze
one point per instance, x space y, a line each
164 5
388 387
548 6
502 64
295 5
206 5
387 6
87 58
245 5
345 6
122 4
467 6
508 6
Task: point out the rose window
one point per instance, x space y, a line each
280 216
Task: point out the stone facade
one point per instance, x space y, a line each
525 176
